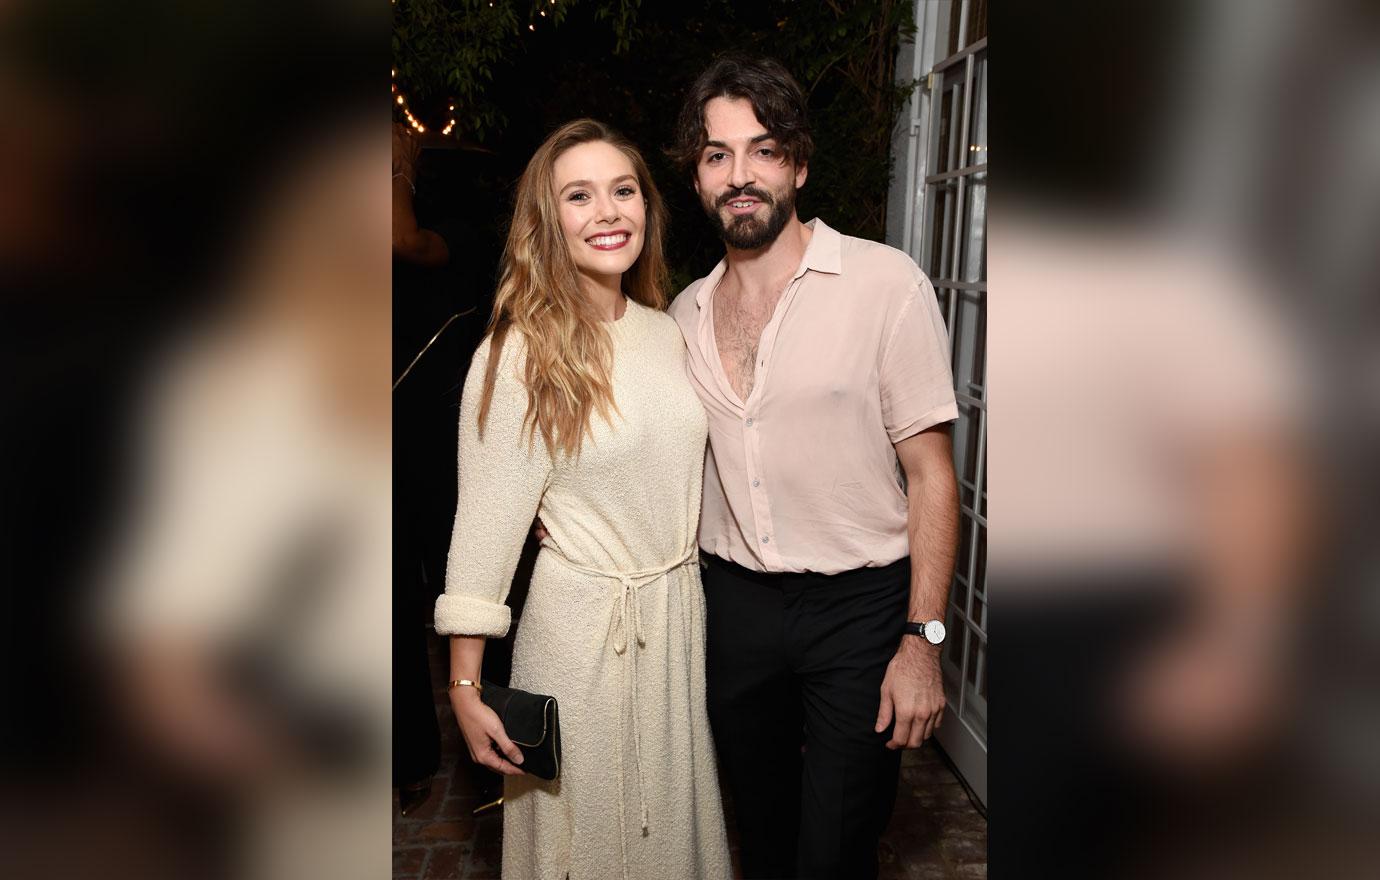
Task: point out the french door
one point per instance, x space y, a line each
941 179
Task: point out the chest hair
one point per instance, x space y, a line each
738 324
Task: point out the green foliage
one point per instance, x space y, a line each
447 52
629 64
844 56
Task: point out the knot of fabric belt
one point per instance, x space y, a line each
626 613
627 618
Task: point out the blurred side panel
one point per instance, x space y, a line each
1182 359
194 228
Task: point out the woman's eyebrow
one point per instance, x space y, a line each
591 183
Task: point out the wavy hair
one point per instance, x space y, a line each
776 98
569 351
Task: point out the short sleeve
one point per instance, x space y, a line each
502 477
916 382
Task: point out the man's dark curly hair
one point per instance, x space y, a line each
776 98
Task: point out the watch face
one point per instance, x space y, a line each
934 632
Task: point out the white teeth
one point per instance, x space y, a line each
742 204
607 240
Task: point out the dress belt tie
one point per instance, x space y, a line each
627 618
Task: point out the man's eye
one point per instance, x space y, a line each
714 157
767 151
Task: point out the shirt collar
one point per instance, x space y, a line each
824 253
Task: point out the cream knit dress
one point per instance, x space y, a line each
614 622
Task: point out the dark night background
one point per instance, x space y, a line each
626 64
842 54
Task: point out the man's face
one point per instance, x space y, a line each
744 183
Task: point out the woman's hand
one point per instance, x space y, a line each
483 732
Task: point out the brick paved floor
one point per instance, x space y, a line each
935 831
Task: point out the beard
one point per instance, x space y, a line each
748 232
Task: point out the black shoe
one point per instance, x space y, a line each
410 797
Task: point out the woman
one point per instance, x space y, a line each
577 408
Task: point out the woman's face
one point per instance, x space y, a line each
602 209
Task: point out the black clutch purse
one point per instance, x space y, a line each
532 723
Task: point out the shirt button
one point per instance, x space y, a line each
766 539
755 484
749 423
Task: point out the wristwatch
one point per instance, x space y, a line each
931 630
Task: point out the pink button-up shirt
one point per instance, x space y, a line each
803 476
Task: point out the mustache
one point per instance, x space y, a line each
760 195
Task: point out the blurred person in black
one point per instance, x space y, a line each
438 305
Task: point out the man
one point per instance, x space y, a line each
823 364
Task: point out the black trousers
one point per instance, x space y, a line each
795 665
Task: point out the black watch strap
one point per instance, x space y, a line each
914 628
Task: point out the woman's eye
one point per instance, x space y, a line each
578 197
626 191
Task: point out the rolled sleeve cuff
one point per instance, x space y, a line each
940 414
458 615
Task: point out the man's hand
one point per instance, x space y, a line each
912 693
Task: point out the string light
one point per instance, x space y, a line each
450 123
402 102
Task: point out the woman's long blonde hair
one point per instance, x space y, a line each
569 351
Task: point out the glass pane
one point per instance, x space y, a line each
979 612
948 131
952 157
975 237
955 20
977 122
980 341
954 643
974 701
965 337
977 21
967 496
958 596
968 424
974 649
980 568
944 196
982 680
965 534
